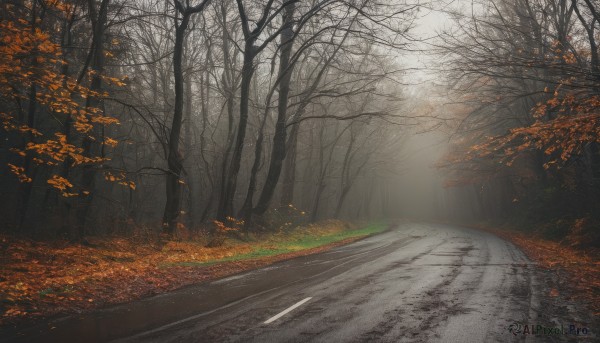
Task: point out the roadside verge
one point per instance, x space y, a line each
575 269
42 279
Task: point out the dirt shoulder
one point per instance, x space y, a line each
42 279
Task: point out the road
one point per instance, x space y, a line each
414 283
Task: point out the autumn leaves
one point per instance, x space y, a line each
36 88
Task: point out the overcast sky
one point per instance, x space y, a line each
428 25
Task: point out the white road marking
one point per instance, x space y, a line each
231 278
286 311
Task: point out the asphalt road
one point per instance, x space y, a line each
414 283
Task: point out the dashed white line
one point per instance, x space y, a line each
287 310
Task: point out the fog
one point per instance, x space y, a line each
293 170
220 111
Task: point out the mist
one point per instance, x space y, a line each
299 171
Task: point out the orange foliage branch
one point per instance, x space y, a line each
30 60
564 125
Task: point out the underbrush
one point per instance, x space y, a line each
582 232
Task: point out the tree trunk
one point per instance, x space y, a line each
174 160
227 197
98 60
205 91
188 152
289 170
279 139
227 78
246 210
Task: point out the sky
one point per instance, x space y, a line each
428 24
420 188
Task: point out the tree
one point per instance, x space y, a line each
174 160
31 86
527 71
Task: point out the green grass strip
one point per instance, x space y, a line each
297 242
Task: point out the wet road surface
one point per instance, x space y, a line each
414 283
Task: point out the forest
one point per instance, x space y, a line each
160 114
525 77
148 132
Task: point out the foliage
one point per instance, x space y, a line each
582 268
43 278
564 125
526 154
221 231
284 217
31 83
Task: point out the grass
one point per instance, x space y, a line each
43 278
296 240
